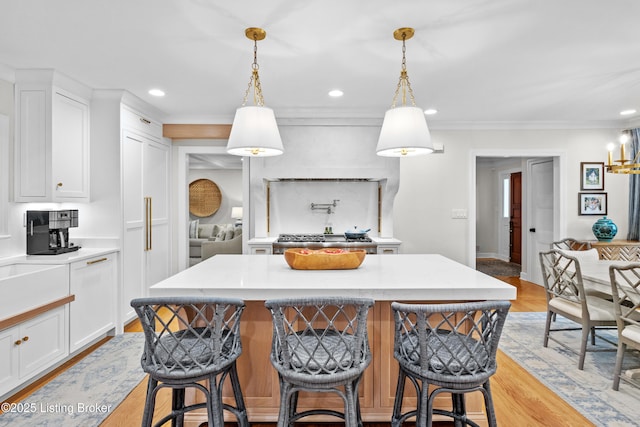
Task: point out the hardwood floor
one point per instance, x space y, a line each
519 399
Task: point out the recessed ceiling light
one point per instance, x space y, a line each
430 111
627 112
336 93
156 92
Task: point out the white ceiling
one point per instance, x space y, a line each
476 61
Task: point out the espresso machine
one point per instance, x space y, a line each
48 232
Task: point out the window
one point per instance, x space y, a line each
506 197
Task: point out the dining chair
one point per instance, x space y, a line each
450 346
564 290
320 345
187 340
625 288
571 244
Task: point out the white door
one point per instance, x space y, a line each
156 193
133 259
540 223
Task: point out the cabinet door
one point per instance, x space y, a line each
156 192
92 313
133 259
70 148
9 374
44 342
32 154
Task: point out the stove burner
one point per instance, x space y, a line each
301 238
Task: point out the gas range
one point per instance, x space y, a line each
319 241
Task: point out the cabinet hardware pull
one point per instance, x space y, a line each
25 339
95 261
18 342
59 185
145 121
148 223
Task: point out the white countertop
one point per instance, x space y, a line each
66 258
404 277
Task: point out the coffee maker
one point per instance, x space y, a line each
48 232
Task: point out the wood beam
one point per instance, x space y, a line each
196 131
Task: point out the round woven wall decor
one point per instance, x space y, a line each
204 198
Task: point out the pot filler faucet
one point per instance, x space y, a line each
325 206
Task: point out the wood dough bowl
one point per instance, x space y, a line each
324 259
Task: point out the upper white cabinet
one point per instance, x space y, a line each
52 138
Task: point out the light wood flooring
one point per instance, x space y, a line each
519 399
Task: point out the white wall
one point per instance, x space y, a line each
431 186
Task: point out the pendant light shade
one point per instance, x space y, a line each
404 133
404 129
254 131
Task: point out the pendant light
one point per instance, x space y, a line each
404 129
254 131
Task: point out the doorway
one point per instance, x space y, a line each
555 175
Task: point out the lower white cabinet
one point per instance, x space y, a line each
32 346
93 312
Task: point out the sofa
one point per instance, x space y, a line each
207 240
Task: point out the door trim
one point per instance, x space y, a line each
560 197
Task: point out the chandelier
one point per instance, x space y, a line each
622 165
254 131
404 129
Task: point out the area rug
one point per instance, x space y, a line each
496 267
588 391
85 394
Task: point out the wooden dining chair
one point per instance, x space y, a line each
625 288
566 297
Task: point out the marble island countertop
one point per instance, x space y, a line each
408 277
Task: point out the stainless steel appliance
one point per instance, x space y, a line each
48 232
319 241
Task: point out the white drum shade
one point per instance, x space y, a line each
404 133
254 133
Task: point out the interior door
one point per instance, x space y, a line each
541 208
515 222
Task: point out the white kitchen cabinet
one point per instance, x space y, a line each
146 235
388 246
32 346
93 312
52 138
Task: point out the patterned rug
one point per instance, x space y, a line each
588 391
85 394
496 267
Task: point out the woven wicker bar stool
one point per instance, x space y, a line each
450 346
320 345
187 340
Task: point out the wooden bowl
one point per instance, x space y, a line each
324 259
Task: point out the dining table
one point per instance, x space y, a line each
595 275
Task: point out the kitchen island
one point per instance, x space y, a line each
406 278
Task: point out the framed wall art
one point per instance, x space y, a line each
592 203
591 176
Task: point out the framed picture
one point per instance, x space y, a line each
592 176
592 203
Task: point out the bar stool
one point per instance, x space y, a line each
190 339
450 346
320 345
